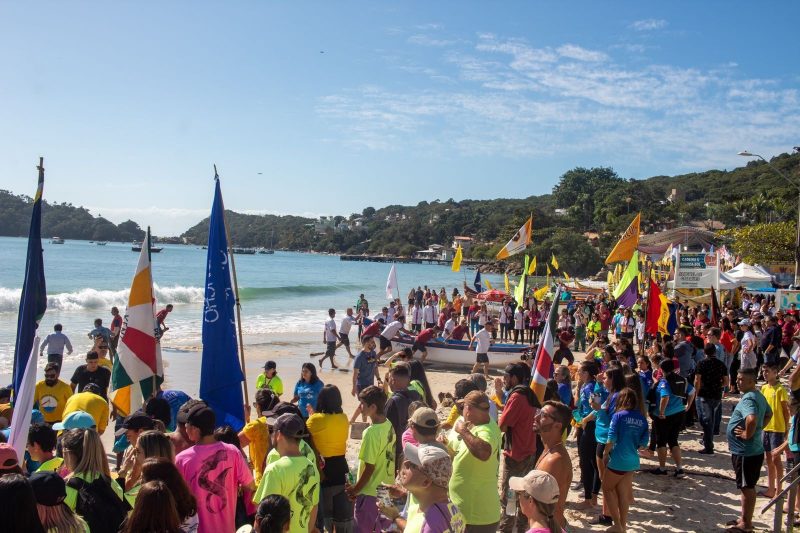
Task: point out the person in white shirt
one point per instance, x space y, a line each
391 311
329 338
55 344
429 314
383 315
519 325
483 341
506 315
450 324
416 318
344 330
388 333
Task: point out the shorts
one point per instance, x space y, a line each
482 358
772 440
429 325
617 472
419 346
384 344
331 350
747 469
345 338
668 429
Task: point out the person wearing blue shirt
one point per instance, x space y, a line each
675 396
745 443
307 389
590 477
626 434
365 371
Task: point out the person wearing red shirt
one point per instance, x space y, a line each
788 330
421 341
116 328
160 317
373 330
605 319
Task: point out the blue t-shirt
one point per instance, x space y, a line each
752 403
793 447
584 407
365 362
175 399
603 417
565 393
628 431
675 403
307 394
646 377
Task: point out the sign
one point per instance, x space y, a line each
782 272
784 298
697 270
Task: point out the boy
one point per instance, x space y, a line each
330 338
775 431
376 460
365 371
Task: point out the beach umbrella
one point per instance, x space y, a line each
493 295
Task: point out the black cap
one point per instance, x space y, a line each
136 421
94 388
291 425
49 488
270 365
202 417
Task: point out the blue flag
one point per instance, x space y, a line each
33 302
477 283
220 374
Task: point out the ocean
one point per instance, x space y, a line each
286 292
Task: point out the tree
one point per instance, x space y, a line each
368 212
574 253
763 243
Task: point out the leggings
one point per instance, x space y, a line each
590 476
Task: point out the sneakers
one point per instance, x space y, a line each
706 452
679 473
658 471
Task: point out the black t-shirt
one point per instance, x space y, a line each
711 371
101 377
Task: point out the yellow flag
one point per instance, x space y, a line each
488 285
566 276
627 244
610 281
548 269
457 260
554 262
508 290
520 240
532 267
541 293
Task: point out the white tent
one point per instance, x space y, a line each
749 275
726 282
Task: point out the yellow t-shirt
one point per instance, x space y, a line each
329 433
275 384
377 448
452 417
257 432
297 479
52 400
775 396
105 363
472 477
91 403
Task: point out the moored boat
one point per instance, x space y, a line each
453 352
137 247
56 240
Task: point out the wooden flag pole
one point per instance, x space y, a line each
157 329
238 303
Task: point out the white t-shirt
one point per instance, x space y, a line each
330 331
347 323
505 315
429 314
519 319
390 314
449 326
482 317
483 340
416 315
391 330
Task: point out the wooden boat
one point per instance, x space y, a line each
453 352
56 240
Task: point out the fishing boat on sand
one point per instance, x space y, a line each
453 352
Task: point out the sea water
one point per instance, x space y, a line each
285 292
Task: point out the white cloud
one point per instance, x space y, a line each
648 24
581 54
425 40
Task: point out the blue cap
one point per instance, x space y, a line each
37 417
76 420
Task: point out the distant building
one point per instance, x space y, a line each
434 251
561 212
464 242
676 195
324 224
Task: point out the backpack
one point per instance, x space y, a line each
677 385
98 504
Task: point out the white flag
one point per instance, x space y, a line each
391 284
23 404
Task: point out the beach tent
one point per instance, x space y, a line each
753 276
726 282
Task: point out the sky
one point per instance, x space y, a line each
321 108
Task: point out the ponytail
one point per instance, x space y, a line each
548 510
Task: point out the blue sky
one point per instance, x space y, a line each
327 107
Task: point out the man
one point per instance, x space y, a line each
684 352
550 423
132 427
388 333
397 404
292 476
51 394
269 379
100 329
771 341
55 344
116 328
372 330
180 438
745 427
90 401
461 330
91 372
344 330
101 347
519 448
483 341
416 317
329 339
214 472
365 371
450 325
421 341
76 420
42 446
710 379
383 315
429 314
160 317
474 441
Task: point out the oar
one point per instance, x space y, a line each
316 354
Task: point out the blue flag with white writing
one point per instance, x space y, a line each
33 302
220 374
477 283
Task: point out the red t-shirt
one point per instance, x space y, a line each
371 330
116 322
726 340
605 319
425 335
161 315
459 332
518 415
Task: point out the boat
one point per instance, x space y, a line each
56 240
269 250
101 243
137 247
244 251
453 352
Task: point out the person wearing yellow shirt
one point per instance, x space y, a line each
91 402
269 379
255 433
51 395
775 430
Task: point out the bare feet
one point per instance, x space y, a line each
585 505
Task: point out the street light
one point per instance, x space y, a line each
746 153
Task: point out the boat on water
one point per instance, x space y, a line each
453 352
137 247
56 240
101 243
266 251
244 251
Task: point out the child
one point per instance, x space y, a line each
376 461
775 430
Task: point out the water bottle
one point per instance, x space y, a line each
511 502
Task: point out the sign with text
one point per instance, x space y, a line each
784 298
697 270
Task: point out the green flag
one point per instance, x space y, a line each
519 291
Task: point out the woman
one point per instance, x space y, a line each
419 383
307 389
18 505
329 428
155 444
627 325
163 470
531 321
55 516
747 352
627 433
587 387
274 516
155 511
483 317
675 396
538 495
580 330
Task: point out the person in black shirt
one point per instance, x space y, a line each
91 372
710 378
397 405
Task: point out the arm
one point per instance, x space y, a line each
362 480
662 406
69 346
698 383
749 428
45 343
786 417
478 447
356 371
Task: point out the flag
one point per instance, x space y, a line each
566 276
220 373
33 301
548 269
23 404
627 290
532 267
391 283
715 313
138 366
520 240
456 260
554 261
610 281
543 363
477 283
623 250
519 292
657 310
488 285
505 278
541 293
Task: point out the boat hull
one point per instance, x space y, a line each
457 353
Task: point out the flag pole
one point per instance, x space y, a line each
236 295
156 328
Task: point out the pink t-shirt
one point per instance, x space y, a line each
408 438
214 473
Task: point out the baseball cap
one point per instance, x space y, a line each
136 421
202 417
94 388
432 461
425 417
539 484
76 420
744 322
270 365
49 488
476 399
8 457
291 425
280 409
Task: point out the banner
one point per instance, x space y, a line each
627 244
697 270
520 240
784 298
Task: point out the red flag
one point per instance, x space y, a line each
657 310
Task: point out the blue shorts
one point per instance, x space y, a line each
772 440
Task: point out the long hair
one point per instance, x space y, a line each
628 400
274 513
154 511
617 377
90 457
59 518
153 443
311 368
329 401
634 382
417 371
548 510
164 470
18 505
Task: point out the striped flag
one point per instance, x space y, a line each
138 367
520 240
543 363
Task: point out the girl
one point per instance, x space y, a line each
55 515
162 469
307 389
675 397
419 383
538 497
155 444
274 515
587 387
155 510
18 505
